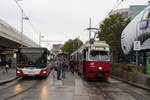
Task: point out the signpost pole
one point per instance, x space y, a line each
136 57
137 47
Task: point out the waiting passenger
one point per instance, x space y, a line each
59 67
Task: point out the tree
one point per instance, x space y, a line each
71 45
110 31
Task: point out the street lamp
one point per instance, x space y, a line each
40 36
22 18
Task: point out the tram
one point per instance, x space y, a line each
32 62
92 60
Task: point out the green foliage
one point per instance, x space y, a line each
128 67
110 31
71 45
117 65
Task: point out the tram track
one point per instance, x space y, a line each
105 90
130 91
127 90
99 90
131 83
22 91
124 89
105 95
9 85
134 94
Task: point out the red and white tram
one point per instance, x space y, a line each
92 60
32 62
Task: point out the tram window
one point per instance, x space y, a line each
93 53
99 55
80 56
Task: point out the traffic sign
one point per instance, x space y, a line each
137 45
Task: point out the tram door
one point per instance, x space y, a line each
84 62
77 62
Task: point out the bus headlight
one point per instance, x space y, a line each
18 71
100 68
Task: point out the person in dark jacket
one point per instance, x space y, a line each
0 62
9 62
64 68
59 67
4 63
72 67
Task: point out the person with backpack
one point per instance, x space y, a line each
72 67
64 68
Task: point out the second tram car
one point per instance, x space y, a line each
92 60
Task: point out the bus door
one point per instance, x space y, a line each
84 62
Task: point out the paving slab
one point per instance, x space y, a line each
7 77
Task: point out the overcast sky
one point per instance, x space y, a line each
59 20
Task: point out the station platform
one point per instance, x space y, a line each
9 76
73 87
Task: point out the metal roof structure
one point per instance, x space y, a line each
10 33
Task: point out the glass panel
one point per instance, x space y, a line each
32 58
99 55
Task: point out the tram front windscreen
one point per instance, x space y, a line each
99 55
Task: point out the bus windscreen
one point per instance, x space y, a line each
32 58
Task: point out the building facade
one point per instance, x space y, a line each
130 12
132 32
56 48
134 10
138 30
124 12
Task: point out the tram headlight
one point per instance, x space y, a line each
44 72
100 68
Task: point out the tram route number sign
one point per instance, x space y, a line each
137 45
